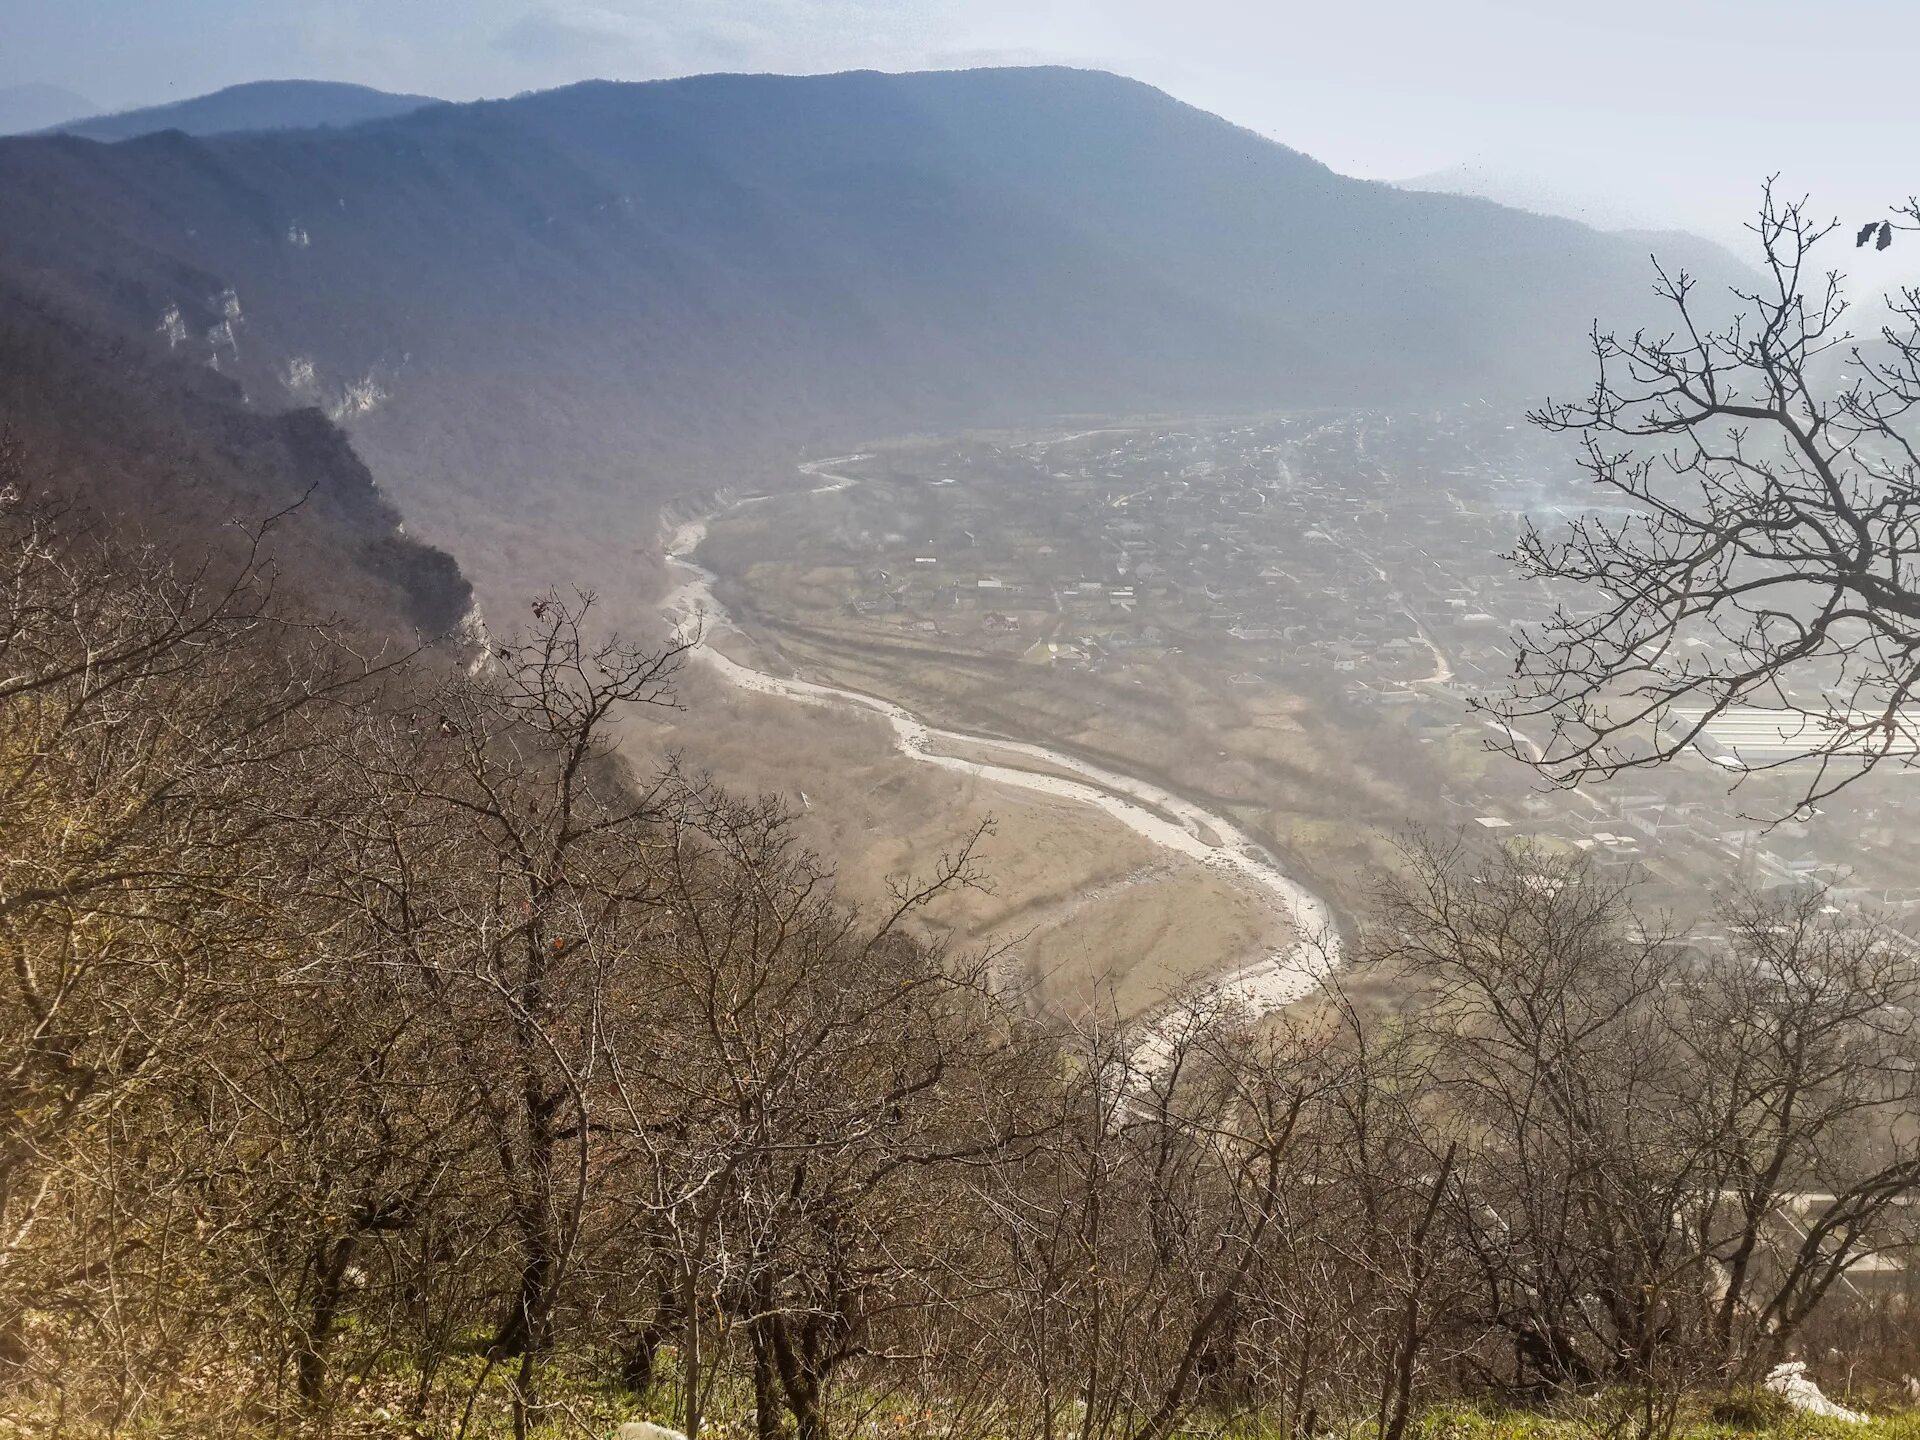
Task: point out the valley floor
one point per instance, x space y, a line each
1205 899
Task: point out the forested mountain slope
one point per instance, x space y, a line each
541 316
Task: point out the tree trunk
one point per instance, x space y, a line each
642 1355
766 1385
331 1262
1407 1349
690 1358
802 1387
525 1326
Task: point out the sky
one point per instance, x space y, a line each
1630 113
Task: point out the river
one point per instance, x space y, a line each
1168 820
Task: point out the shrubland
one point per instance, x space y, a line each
382 1054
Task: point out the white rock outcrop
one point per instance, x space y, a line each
1792 1384
301 378
357 397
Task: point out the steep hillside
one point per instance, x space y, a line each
258 105
171 452
542 316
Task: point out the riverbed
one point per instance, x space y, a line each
1165 819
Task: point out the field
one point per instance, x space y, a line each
1080 907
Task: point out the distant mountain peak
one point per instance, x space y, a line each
1516 191
1519 191
26 108
255 105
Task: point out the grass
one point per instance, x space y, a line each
581 1406
1739 1416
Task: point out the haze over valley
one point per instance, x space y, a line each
952 751
556 324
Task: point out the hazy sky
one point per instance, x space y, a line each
1650 110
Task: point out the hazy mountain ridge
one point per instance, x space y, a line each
36 107
1521 191
570 304
256 105
1515 192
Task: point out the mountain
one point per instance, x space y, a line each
543 318
39 107
1527 192
259 105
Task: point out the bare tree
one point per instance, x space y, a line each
807 1085
1670 1154
503 786
154 785
1138 1243
369 1028
1767 556
1546 1021
1801 1045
